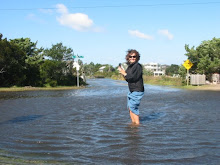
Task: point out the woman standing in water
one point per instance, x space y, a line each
133 75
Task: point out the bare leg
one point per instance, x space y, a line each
134 118
131 115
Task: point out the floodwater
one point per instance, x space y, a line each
92 126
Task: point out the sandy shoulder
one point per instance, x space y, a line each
212 87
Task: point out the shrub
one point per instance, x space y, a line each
52 83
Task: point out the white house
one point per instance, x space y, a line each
101 69
156 68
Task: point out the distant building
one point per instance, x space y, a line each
215 78
156 68
164 67
101 69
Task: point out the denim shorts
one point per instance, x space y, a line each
134 99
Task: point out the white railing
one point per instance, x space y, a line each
197 79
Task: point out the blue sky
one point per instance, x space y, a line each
102 31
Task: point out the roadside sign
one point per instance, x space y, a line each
187 64
77 66
78 56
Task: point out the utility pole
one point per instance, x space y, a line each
187 77
77 67
77 71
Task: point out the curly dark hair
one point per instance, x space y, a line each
130 52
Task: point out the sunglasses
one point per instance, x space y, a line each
132 56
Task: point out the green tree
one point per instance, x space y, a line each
91 69
59 52
34 58
58 69
172 69
205 58
88 68
182 71
12 64
51 72
108 68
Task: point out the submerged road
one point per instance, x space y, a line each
92 126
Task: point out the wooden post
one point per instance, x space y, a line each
187 77
77 69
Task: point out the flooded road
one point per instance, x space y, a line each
92 126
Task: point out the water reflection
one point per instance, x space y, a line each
152 116
133 142
92 126
23 119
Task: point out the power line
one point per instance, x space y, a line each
118 6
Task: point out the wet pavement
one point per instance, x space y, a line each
92 126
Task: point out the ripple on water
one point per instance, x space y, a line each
92 126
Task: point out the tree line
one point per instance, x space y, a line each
22 63
205 59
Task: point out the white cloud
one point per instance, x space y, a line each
61 8
165 33
138 34
77 21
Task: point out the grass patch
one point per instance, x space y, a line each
28 88
7 159
206 87
13 160
162 80
117 77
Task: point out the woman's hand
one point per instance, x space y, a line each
122 71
